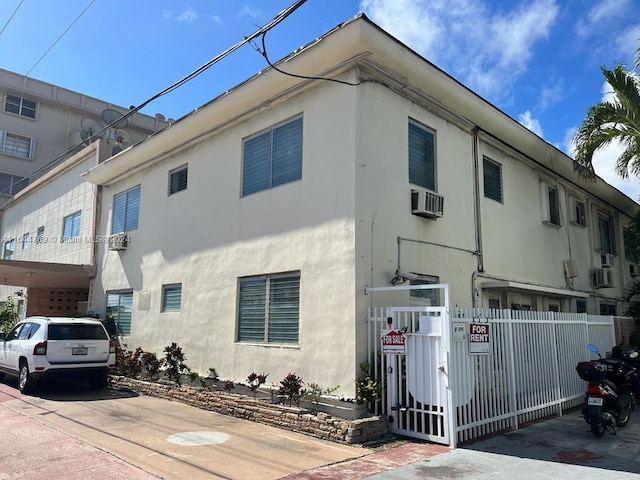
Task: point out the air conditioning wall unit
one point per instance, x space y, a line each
118 242
570 268
427 204
602 277
607 260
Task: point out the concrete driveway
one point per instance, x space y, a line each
169 439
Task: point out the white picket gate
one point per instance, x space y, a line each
438 391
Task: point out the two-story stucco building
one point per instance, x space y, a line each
247 231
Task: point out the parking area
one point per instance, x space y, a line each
168 439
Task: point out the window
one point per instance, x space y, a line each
40 234
19 145
605 233
550 205
120 307
422 157
26 241
71 226
494 303
178 179
20 106
579 216
629 245
273 157
428 297
581 306
268 310
126 209
12 184
9 248
171 297
492 180
607 308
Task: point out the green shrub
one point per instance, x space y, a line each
173 362
291 388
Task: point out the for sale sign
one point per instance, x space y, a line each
479 338
394 342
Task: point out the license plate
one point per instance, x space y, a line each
596 401
79 351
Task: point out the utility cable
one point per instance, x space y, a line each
11 17
262 30
55 43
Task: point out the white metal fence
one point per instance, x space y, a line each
528 373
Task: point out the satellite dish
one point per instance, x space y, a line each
84 136
91 127
116 149
110 116
122 136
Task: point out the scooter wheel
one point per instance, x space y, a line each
597 426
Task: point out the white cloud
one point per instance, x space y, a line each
253 12
531 123
488 50
626 43
599 15
551 94
188 16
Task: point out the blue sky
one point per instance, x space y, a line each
537 60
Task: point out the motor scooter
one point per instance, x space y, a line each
608 397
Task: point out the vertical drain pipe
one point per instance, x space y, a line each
477 213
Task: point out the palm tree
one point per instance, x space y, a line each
618 119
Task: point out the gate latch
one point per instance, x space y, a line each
441 368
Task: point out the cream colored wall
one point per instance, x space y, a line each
47 206
206 237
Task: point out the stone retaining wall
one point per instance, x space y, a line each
241 406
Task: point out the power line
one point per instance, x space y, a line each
11 17
262 30
54 43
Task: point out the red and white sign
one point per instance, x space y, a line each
479 338
394 342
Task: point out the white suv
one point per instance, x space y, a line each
55 347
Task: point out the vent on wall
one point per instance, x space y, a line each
118 242
602 277
427 204
607 260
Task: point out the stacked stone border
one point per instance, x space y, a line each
241 406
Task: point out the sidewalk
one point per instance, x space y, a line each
558 448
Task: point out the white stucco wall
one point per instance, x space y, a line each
206 237
46 203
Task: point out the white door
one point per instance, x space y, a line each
417 394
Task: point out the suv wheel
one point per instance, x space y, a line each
26 384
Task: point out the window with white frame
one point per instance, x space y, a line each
172 297
71 226
422 156
492 173
268 308
120 309
12 184
607 308
606 238
273 157
18 145
550 204
26 241
20 106
9 249
178 179
579 212
126 210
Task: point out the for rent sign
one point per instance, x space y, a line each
394 342
479 338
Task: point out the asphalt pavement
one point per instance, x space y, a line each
80 434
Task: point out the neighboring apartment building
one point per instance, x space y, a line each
42 126
247 231
40 122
